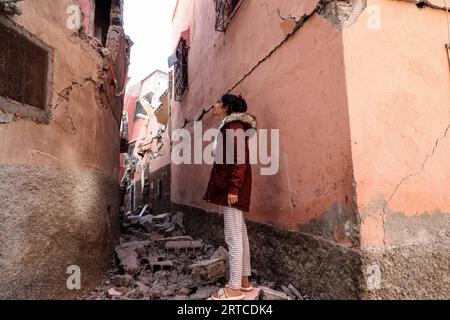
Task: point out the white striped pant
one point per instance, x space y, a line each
239 250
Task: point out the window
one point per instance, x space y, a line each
25 72
140 110
102 20
225 11
181 70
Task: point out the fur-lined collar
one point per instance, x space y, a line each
242 117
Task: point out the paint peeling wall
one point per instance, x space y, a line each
397 73
60 195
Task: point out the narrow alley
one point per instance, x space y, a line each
224 150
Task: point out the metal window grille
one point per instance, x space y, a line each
181 70
225 11
23 69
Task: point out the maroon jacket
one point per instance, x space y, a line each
235 177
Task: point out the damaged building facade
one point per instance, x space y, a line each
145 167
359 92
63 67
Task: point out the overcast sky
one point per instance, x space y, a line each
149 24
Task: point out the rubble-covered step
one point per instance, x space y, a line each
206 272
184 245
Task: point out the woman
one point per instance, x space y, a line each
230 187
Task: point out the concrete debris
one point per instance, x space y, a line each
184 292
105 52
160 264
123 280
289 292
210 271
156 260
295 291
128 260
163 241
114 293
270 294
220 253
184 245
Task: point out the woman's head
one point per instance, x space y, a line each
228 104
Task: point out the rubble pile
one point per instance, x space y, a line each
157 261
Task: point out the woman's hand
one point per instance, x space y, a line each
232 199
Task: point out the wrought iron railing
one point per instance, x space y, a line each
225 11
181 70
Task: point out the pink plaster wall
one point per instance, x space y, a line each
399 121
80 132
300 90
86 7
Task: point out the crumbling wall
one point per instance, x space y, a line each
59 202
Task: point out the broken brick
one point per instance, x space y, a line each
209 271
184 245
128 258
123 280
220 253
163 241
158 263
114 293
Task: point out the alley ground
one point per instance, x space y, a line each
156 260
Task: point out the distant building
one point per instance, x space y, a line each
145 106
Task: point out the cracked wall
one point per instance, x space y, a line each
373 176
320 177
60 193
293 79
400 146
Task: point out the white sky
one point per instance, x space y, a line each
149 24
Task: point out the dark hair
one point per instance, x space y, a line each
235 104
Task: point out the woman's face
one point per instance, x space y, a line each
219 110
